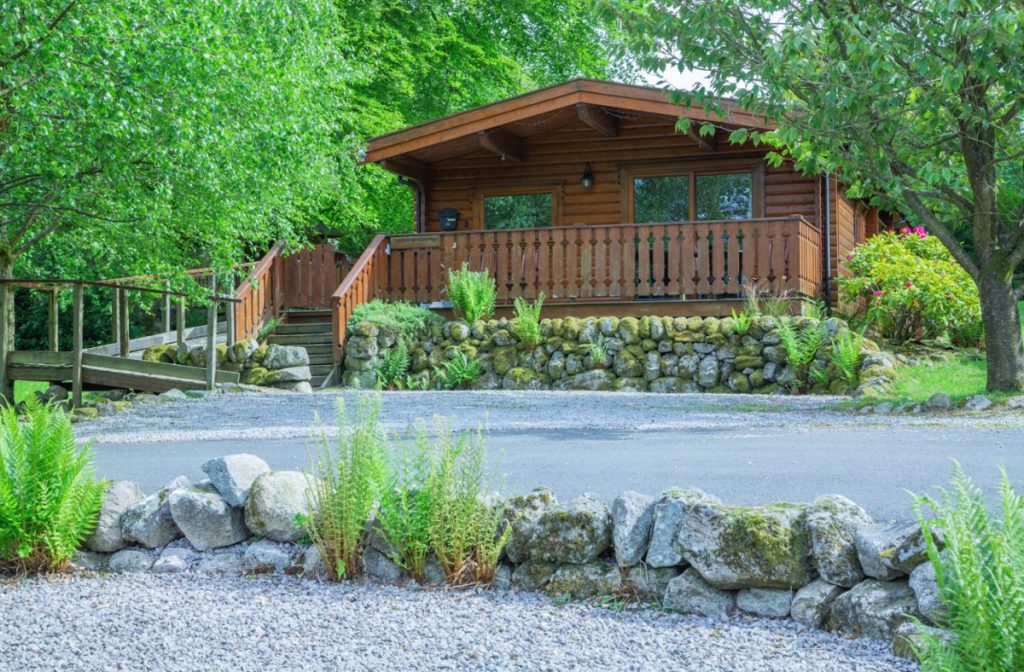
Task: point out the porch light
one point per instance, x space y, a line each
588 177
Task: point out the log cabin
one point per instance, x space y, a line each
589 192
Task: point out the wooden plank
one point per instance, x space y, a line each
40 358
140 368
415 242
54 320
115 320
76 349
211 338
108 378
53 374
598 119
505 144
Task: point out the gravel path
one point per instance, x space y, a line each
188 622
286 416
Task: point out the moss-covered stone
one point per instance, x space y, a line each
504 359
593 579
161 353
738 382
533 575
576 533
629 330
521 378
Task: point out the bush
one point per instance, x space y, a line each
49 499
911 287
526 326
345 485
472 293
980 576
436 506
402 319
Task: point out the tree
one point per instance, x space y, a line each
148 136
916 104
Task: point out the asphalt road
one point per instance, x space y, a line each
744 454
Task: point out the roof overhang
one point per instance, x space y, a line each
485 126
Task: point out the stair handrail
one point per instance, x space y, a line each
359 286
259 295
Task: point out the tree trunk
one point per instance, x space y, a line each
1004 350
6 327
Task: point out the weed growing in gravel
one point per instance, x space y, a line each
980 576
436 505
49 499
344 486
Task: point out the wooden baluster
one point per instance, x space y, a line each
124 324
674 269
167 307
179 324
54 320
643 246
576 261
627 258
76 346
658 260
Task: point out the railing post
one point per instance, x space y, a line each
211 336
167 306
115 310
6 340
76 363
229 320
179 323
124 337
54 320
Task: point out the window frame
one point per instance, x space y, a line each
692 169
480 194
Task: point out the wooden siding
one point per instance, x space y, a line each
555 160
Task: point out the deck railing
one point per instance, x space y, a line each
363 283
687 260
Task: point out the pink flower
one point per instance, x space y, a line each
879 292
920 232
908 284
905 231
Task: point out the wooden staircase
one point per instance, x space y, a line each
310 329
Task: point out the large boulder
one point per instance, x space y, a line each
813 603
233 475
522 513
668 516
889 551
275 500
747 547
689 593
584 581
632 519
765 602
119 496
292 374
148 522
380 566
832 522
926 590
874 609
206 520
285 357
577 532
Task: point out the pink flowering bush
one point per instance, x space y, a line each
910 287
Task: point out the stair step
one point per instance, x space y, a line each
300 339
301 316
304 328
320 369
321 359
317 381
320 350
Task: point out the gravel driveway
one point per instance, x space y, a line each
148 622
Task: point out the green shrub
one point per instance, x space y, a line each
846 354
49 499
472 293
526 326
801 345
980 576
741 322
393 367
402 319
267 329
909 286
458 372
344 486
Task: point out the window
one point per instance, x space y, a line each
661 198
518 211
725 196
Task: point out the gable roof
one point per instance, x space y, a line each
546 108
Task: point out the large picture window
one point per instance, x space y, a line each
517 211
685 193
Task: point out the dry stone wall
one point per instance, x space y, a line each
654 354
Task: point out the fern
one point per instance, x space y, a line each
49 498
393 367
846 354
472 293
458 371
801 346
526 326
344 485
741 322
598 351
980 575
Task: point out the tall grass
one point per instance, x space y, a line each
472 293
49 498
436 505
980 576
345 484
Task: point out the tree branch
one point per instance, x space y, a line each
37 42
941 231
47 230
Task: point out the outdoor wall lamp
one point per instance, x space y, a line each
588 177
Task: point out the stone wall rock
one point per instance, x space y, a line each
280 366
275 499
108 536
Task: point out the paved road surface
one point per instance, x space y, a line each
742 449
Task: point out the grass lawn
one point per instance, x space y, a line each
24 388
